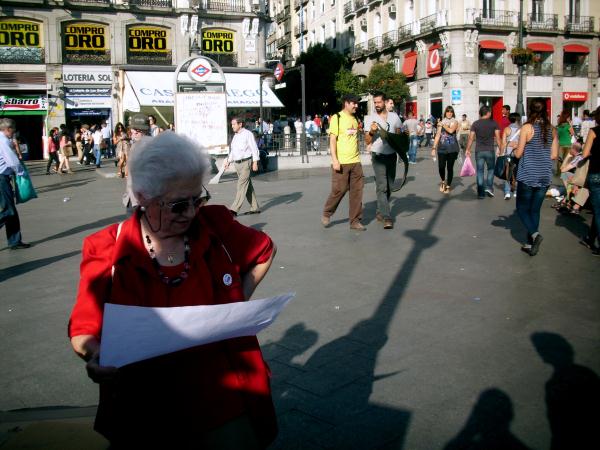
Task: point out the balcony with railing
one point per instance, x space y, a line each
492 18
389 39
374 44
361 5
374 2
360 50
349 9
218 5
300 29
285 40
282 15
428 23
579 24
152 3
547 22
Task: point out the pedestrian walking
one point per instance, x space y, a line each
538 146
86 138
565 135
98 141
66 151
410 125
445 145
9 166
383 156
346 169
484 132
428 133
245 156
591 151
53 148
510 140
464 127
106 140
121 142
153 129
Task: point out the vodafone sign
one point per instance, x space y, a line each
575 96
434 60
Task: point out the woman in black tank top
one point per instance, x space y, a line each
591 151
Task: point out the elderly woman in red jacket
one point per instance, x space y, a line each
176 252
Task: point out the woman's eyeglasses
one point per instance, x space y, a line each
181 206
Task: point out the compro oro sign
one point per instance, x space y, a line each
21 41
148 44
85 43
575 96
217 41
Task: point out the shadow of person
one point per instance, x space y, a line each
288 199
488 426
511 223
572 395
575 224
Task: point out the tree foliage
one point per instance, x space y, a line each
321 65
346 83
383 77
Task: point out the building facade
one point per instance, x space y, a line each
457 52
86 61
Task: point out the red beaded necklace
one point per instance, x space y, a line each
176 281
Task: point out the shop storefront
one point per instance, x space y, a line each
23 94
574 102
28 112
88 97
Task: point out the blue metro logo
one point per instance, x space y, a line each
201 70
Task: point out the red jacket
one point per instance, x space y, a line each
180 395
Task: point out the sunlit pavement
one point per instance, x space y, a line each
396 339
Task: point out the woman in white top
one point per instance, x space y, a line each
510 140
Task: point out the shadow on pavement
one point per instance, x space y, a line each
488 426
326 403
20 269
63 185
288 199
88 226
513 224
572 395
575 224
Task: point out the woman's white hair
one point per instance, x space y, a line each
155 162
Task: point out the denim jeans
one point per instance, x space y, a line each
9 217
593 180
384 167
488 159
97 154
529 204
412 149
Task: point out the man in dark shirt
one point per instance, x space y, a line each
484 132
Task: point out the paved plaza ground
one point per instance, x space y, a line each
397 339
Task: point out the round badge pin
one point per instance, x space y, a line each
227 279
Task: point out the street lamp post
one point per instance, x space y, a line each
520 109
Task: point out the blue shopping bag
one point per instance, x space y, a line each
24 190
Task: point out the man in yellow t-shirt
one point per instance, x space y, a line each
346 169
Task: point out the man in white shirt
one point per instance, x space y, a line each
9 166
244 154
106 135
410 126
383 156
98 139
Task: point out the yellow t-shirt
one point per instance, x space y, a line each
347 137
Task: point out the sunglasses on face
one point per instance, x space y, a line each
181 206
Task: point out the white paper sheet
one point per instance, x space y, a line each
135 333
217 177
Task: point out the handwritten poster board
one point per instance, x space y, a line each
202 116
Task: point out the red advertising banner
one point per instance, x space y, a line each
434 60
575 96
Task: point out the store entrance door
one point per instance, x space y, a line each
30 130
436 108
77 117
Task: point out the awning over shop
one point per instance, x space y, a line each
156 89
576 48
410 63
492 45
540 47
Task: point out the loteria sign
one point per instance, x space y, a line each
574 96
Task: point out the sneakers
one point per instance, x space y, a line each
536 244
507 196
489 193
388 224
325 221
357 226
20 245
526 248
